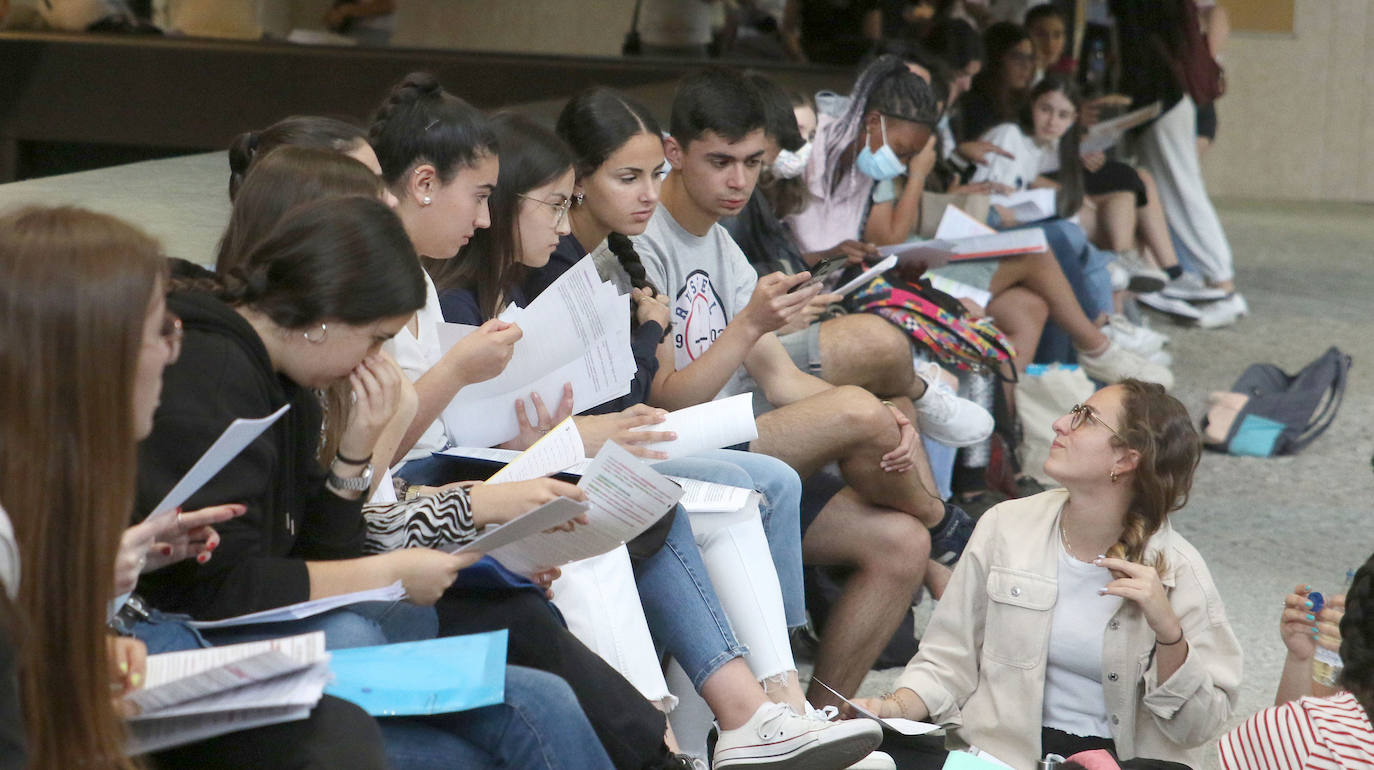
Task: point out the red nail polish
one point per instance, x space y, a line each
166 550
203 558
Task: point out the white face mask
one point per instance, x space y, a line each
790 165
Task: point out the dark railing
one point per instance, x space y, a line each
71 101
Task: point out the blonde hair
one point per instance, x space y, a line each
1157 426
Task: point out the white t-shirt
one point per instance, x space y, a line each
417 354
1018 172
675 22
9 557
709 280
1074 699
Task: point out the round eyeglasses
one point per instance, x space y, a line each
560 209
1083 413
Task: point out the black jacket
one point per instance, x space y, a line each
223 374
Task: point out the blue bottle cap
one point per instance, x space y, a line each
1318 601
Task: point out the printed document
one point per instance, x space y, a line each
391 593
712 425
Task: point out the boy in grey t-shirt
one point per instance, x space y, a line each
886 521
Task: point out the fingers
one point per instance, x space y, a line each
899 459
541 411
634 418
522 419
188 521
641 452
645 437
565 406
999 151
644 409
558 488
1137 571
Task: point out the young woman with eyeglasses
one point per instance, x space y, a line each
1079 617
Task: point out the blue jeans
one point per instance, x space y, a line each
780 488
540 725
1085 267
365 624
681 607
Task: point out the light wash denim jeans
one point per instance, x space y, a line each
539 725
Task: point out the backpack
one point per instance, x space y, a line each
1269 412
936 320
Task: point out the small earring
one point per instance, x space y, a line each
324 332
424 201
1115 476
577 198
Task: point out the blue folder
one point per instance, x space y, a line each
434 676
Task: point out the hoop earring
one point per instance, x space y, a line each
324 332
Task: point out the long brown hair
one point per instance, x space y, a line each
74 289
1156 425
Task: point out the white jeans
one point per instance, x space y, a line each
1168 149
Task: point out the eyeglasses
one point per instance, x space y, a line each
171 335
560 209
1083 413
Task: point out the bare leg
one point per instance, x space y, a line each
889 552
1151 226
1115 230
1040 273
733 694
850 426
866 350
1203 145
937 577
785 688
1021 315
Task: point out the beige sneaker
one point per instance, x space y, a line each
1116 363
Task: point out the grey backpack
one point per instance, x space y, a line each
1270 412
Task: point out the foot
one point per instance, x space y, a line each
948 539
1142 277
874 761
1223 312
1191 288
1116 363
944 417
1138 339
1170 306
777 737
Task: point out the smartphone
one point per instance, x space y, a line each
821 269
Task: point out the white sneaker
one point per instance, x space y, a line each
777 737
1121 280
874 761
1161 358
1116 363
944 417
1144 277
1140 339
1191 288
1170 306
1223 312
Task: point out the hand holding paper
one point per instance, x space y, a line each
712 425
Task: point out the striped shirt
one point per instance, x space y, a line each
1308 734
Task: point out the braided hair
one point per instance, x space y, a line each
298 130
1357 637
595 124
888 87
1157 426
419 122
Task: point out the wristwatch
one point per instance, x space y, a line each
359 483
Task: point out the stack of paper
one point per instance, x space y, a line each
1028 205
391 593
198 694
576 332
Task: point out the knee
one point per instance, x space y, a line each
900 549
344 629
866 413
528 686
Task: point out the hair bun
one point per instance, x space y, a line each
416 85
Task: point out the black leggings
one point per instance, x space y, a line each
1115 176
630 728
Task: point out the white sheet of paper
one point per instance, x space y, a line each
626 497
231 442
708 497
188 675
156 734
1104 135
391 593
547 516
1000 244
712 425
956 223
863 278
1028 205
895 724
559 449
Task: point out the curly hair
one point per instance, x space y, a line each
1157 426
1357 637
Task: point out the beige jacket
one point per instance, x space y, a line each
981 665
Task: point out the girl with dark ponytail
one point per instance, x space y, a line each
312 131
1311 724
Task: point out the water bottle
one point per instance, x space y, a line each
1326 664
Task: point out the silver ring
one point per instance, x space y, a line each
543 429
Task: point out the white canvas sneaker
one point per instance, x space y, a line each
1223 312
944 417
777 737
874 761
1191 288
1144 277
1116 363
1137 338
1170 306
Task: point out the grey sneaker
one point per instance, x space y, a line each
1144 277
1191 288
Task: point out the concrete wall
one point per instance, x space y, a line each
1297 122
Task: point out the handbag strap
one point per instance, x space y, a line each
1321 421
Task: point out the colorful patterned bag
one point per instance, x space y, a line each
938 321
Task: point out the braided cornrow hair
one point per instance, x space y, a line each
419 122
1357 637
890 88
1157 426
